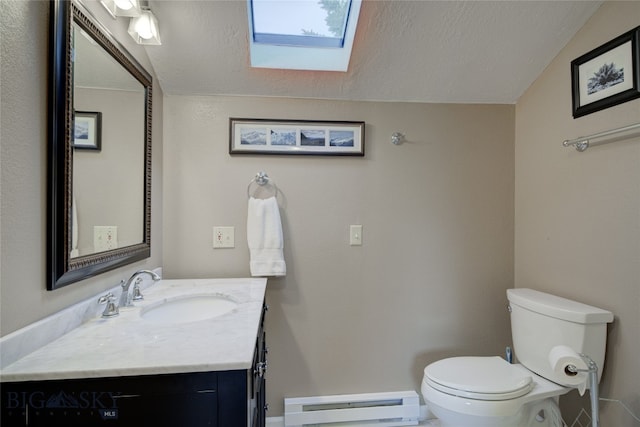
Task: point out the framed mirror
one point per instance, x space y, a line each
99 158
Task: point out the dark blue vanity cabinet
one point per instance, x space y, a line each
234 398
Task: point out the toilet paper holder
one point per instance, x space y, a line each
592 370
592 367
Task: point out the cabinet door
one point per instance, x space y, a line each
168 410
170 400
261 410
233 406
159 401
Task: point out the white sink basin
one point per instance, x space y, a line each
186 309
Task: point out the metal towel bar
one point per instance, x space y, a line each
583 142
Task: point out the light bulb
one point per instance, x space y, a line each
144 29
124 4
143 26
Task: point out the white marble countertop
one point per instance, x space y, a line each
128 345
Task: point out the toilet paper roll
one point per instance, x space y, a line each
560 357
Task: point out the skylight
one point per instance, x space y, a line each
302 34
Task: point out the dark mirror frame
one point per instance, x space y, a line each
63 270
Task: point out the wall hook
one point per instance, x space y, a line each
397 138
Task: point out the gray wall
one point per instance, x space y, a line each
23 151
437 255
578 214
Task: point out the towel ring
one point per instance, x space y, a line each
262 179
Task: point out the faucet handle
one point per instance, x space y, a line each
111 308
137 295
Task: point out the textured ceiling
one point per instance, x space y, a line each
417 51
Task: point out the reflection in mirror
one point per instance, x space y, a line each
99 183
108 182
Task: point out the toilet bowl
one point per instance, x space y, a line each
488 391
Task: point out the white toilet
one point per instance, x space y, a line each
489 391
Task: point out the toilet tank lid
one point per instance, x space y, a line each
558 307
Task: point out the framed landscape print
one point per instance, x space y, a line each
313 137
87 130
608 75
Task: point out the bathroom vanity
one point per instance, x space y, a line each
203 366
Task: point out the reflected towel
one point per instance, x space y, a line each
264 236
74 229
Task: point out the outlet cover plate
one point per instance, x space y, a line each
105 237
223 237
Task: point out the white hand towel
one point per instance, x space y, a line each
264 236
74 229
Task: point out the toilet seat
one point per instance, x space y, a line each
479 378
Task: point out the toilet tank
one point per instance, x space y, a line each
541 321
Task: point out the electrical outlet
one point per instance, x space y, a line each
105 237
223 237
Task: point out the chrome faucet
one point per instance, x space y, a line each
125 299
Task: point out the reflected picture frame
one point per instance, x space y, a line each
606 76
87 130
296 137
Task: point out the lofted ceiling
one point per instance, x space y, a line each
405 50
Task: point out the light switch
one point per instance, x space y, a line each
355 235
223 237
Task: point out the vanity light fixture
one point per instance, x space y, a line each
130 8
144 28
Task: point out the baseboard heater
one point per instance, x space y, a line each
363 410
